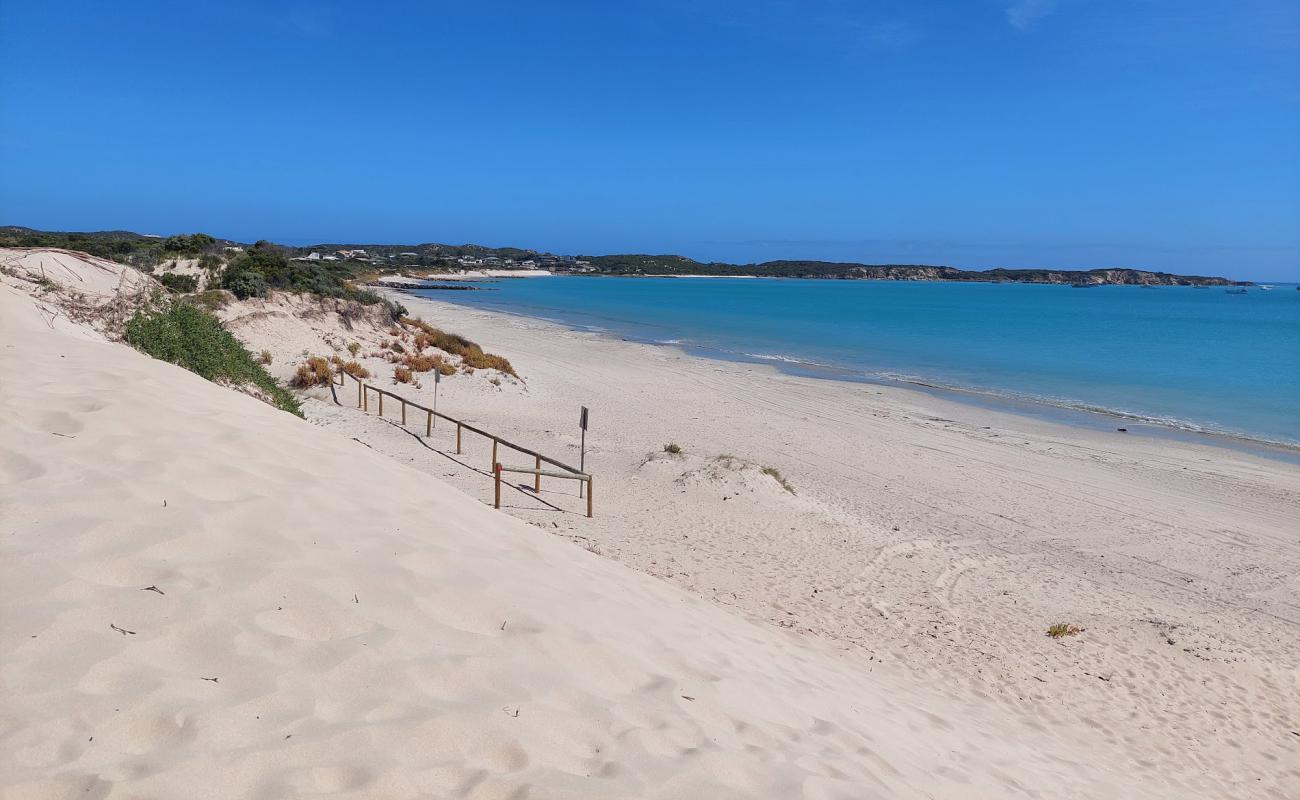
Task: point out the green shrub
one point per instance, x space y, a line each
673 448
212 299
184 284
245 284
190 337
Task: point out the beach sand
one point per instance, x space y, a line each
939 537
205 597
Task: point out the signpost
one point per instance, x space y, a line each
437 379
582 456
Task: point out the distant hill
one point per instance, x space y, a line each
680 265
145 250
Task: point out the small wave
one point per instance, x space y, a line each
1175 423
785 359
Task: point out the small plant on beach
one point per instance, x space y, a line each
775 474
402 375
396 347
354 348
422 363
470 353
190 337
265 357
1062 629
673 448
316 372
495 381
354 369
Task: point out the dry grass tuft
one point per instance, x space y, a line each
354 369
265 357
775 474
354 348
316 372
470 353
1062 629
403 375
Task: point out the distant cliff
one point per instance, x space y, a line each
680 265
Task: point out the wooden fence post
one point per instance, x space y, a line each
428 426
537 479
494 451
359 394
588 498
381 404
403 412
457 438
496 470
365 399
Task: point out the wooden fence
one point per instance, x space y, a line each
364 391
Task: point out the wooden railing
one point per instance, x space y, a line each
569 473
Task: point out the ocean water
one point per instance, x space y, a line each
1195 359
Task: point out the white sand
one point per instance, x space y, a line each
939 537
374 632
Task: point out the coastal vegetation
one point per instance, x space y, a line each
673 448
775 474
181 284
315 371
186 335
471 354
1062 629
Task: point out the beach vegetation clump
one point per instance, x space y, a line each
403 375
354 369
190 337
471 354
316 372
265 266
354 348
181 284
265 357
673 448
418 363
212 299
1062 629
775 474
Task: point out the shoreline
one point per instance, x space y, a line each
1066 412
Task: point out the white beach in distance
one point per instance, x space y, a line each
205 596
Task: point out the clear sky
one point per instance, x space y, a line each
976 133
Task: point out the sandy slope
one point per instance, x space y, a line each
329 621
940 538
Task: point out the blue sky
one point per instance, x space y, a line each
1071 133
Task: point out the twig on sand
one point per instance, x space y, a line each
64 435
122 631
153 589
508 712
503 624
214 680
358 441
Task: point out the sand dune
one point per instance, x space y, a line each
205 597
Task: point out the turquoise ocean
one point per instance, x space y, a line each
1185 358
